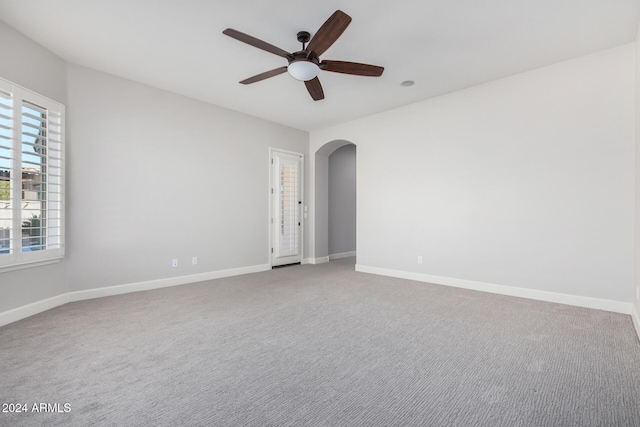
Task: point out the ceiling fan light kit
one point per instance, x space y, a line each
303 70
305 65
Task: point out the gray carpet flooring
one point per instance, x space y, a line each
321 345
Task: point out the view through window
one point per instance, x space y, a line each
31 176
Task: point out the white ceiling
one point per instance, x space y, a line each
443 45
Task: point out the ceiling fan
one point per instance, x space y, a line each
305 65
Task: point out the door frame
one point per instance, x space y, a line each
271 195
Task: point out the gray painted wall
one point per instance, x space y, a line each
33 67
526 181
158 176
635 293
151 176
342 200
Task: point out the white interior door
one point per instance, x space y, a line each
286 208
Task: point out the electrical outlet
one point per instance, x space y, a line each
194 260
174 263
419 259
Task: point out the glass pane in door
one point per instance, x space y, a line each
288 187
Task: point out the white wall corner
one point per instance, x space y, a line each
320 260
342 255
635 317
567 299
32 309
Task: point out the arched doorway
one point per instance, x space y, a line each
320 189
342 203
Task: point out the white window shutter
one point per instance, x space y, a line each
32 167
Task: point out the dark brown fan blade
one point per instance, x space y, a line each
315 89
329 32
354 68
265 75
256 42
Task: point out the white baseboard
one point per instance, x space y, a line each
575 300
342 255
25 311
40 306
164 283
635 316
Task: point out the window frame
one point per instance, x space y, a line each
55 117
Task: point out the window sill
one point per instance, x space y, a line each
29 264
